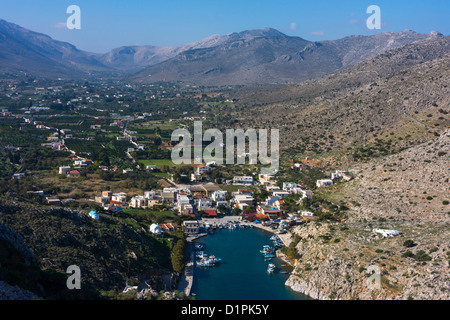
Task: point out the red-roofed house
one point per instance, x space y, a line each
168 227
74 174
211 213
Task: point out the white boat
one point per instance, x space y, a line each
201 255
214 259
271 268
205 263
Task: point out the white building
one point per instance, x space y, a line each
204 203
306 214
196 177
203 169
271 200
191 227
119 198
288 186
242 180
182 200
280 193
243 200
155 229
336 175
387 233
218 195
64 170
222 203
186 208
323 183
153 195
265 179
138 202
272 188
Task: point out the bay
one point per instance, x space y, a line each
242 273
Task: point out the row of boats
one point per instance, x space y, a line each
268 252
231 225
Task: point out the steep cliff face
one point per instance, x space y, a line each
16 240
8 292
13 251
336 260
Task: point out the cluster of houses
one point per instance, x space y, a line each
78 164
272 207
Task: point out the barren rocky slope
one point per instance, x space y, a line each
412 184
389 102
336 259
408 192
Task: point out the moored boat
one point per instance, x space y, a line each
271 268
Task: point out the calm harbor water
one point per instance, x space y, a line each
242 273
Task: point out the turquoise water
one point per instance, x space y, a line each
242 273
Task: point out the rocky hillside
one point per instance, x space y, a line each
383 104
269 56
408 192
412 184
110 253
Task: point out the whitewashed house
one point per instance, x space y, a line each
155 229
218 195
242 180
324 183
138 202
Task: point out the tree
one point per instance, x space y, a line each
237 211
222 208
408 243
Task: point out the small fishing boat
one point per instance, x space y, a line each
198 246
201 255
271 268
205 263
210 261
266 249
214 259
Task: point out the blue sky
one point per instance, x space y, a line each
107 24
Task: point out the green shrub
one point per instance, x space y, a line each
408 243
422 256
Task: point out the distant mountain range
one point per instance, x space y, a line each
249 57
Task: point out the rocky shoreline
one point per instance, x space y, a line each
336 260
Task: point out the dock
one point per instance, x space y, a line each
187 278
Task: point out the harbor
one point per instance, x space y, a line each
228 263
